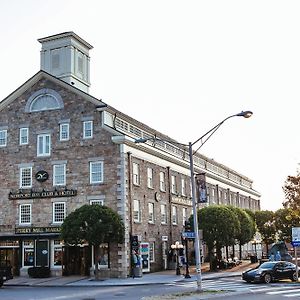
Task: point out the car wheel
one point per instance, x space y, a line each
294 277
267 278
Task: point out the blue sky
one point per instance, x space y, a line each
181 67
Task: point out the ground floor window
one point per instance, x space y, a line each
28 253
57 253
103 261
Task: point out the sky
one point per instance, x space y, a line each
181 67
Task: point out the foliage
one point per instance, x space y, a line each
95 224
291 190
284 221
220 226
265 222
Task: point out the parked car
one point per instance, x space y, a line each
5 274
271 271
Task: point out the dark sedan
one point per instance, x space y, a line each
271 271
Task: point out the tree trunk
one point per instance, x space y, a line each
240 250
96 260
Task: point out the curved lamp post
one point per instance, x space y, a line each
203 139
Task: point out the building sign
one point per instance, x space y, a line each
34 230
41 176
43 194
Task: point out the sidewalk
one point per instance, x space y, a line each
162 277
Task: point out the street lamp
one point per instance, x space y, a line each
203 139
177 246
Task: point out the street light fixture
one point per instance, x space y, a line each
177 246
203 139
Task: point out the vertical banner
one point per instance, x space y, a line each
201 192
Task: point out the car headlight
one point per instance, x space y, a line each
258 272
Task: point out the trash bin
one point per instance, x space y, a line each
137 271
253 259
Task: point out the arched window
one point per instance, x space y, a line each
44 99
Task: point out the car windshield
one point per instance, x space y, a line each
266 265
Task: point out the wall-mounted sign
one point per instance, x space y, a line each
41 176
27 230
41 194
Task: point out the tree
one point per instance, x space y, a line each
247 228
266 226
284 221
219 226
291 190
94 224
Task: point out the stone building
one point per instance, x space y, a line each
61 148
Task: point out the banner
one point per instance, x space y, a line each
201 192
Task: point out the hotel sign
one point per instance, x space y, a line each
42 194
35 230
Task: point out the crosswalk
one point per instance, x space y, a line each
284 290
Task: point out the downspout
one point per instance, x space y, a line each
129 163
170 204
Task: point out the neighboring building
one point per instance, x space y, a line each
61 148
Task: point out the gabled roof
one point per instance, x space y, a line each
37 77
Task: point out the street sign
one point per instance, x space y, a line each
188 234
295 244
296 235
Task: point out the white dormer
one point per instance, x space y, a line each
66 56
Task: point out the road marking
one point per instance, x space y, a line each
283 292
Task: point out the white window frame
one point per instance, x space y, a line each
25 178
151 212
88 132
44 142
96 202
183 190
59 175
136 211
3 138
95 172
184 215
163 213
136 173
64 131
150 178
173 184
24 136
174 215
23 214
55 218
162 181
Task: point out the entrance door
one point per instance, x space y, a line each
42 253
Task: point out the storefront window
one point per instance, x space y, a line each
103 261
57 253
28 253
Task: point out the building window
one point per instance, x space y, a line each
43 145
162 182
173 184
151 251
59 174
150 178
59 212
57 253
28 253
151 212
24 133
87 129
103 260
64 132
136 211
96 202
25 178
163 213
136 173
25 214
3 138
174 215
183 192
184 215
96 172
